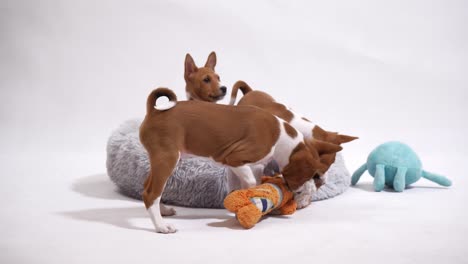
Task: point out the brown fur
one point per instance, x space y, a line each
262 100
231 135
327 159
299 165
268 103
203 83
290 130
331 137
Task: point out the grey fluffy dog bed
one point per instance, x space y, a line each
195 182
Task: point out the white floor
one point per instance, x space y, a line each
71 71
58 210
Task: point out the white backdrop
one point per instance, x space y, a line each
72 71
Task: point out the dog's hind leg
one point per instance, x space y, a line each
162 166
165 210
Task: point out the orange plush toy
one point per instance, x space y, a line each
251 204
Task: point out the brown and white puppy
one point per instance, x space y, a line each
308 129
203 84
235 136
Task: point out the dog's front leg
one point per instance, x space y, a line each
257 171
246 176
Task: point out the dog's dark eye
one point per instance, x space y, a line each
316 177
207 80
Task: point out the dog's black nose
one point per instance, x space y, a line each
223 89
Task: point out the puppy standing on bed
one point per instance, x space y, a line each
308 129
237 137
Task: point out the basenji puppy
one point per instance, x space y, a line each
308 129
203 83
235 136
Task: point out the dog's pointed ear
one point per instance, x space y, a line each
190 66
346 138
319 133
323 147
211 61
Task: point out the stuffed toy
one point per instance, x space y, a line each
251 204
396 165
196 182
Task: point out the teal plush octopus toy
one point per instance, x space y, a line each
396 165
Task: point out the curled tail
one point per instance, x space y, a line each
439 179
243 86
155 94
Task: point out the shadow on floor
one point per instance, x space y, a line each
369 187
120 216
99 186
230 223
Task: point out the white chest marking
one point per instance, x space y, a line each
285 145
303 126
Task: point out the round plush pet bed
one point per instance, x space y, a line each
196 182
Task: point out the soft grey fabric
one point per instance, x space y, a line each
195 182
338 180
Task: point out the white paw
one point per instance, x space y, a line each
167 211
166 229
303 202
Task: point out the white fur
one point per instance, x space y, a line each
233 100
303 195
285 145
157 210
245 175
165 106
159 224
222 97
302 125
250 173
280 151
